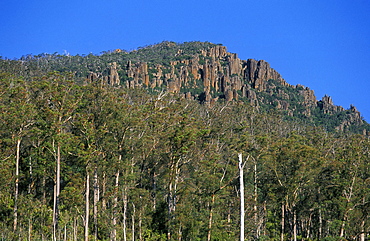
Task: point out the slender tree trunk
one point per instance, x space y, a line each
282 221
133 222
345 216
75 229
180 232
307 228
124 214
210 218
140 225
294 225
172 196
170 210
44 187
242 212
154 193
320 223
87 208
15 211
114 214
29 229
230 205
56 194
54 212
65 233
96 200
362 234
104 184
58 183
30 181
342 227
264 215
255 209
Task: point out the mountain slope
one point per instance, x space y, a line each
202 71
94 137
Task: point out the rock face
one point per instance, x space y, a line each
215 70
137 75
220 74
258 72
326 104
308 95
113 77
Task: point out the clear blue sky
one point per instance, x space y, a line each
322 44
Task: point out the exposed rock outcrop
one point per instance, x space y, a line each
214 69
257 73
113 77
308 95
137 75
220 74
326 104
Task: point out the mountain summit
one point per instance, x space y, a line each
208 72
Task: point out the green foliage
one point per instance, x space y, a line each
166 166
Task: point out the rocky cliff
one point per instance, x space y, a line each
214 70
218 73
211 73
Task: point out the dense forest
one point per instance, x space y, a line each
84 159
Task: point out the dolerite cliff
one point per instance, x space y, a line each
215 71
210 73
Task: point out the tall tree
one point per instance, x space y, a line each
17 116
242 210
61 98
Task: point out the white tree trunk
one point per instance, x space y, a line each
342 227
140 226
29 229
114 214
15 210
294 225
210 218
56 194
87 206
171 198
255 208
362 235
320 223
133 222
96 200
75 229
54 211
124 214
242 212
103 189
282 221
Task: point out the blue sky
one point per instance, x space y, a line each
322 44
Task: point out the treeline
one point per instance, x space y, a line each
31 66
96 162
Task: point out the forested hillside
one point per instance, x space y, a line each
196 70
144 145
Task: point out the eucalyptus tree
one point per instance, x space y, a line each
350 175
176 144
59 98
17 117
290 168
